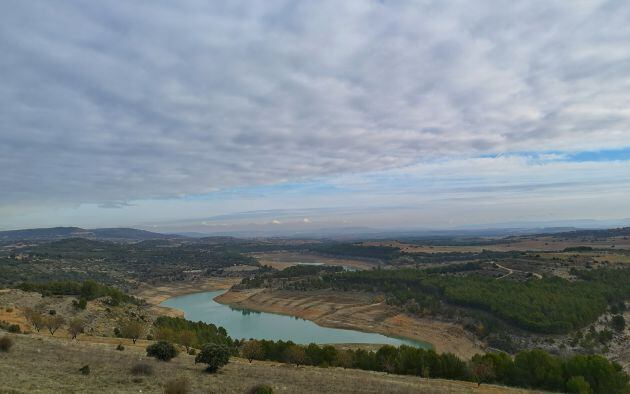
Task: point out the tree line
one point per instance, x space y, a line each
548 305
86 291
535 369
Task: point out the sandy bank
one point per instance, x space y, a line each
156 294
355 311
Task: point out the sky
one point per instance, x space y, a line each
216 116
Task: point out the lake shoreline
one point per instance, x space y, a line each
244 323
355 312
443 337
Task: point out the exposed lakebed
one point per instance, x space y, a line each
243 323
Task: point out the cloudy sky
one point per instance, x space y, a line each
211 115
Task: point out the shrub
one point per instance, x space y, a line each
215 355
162 350
81 303
177 386
618 323
6 343
14 328
578 385
142 369
260 389
120 347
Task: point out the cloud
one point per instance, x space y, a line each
128 101
114 205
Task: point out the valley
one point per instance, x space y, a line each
470 304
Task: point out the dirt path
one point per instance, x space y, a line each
511 271
356 311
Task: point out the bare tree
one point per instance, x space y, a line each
53 323
295 355
76 327
34 318
252 350
482 371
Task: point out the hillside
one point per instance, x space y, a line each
58 361
55 233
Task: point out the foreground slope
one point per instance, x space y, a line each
45 364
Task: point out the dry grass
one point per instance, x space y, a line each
51 365
142 369
179 385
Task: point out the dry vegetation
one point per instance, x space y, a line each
51 365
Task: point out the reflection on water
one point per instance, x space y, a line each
243 312
247 323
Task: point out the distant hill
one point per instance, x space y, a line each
600 233
55 233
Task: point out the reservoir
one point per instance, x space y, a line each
262 325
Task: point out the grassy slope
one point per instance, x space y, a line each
44 364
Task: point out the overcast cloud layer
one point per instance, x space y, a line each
107 103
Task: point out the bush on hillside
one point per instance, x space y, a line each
162 350
578 385
618 323
179 385
142 369
260 389
215 355
6 343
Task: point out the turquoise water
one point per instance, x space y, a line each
261 325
